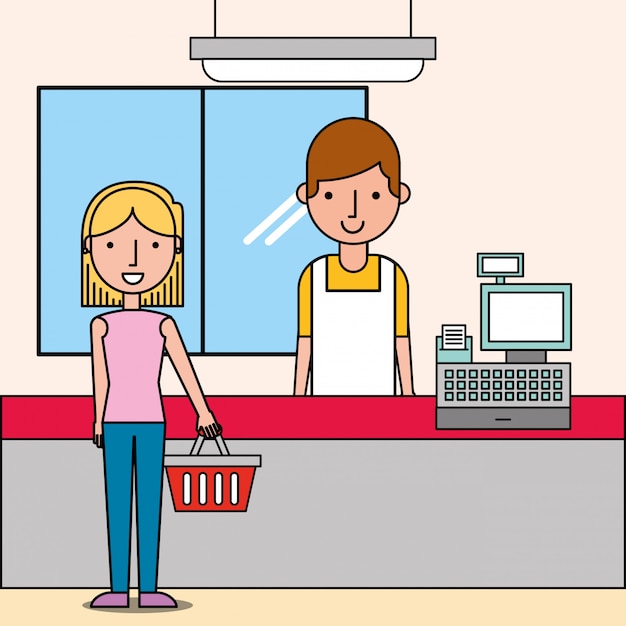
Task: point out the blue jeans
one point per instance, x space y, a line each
138 446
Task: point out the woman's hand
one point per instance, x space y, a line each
97 434
207 425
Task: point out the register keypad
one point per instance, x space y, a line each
503 384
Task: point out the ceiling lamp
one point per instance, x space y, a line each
312 59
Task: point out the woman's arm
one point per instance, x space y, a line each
99 376
175 347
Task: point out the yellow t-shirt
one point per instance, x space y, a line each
340 279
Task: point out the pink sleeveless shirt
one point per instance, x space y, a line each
133 348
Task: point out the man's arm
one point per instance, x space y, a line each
303 348
403 341
403 354
303 365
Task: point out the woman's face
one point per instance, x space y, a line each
131 258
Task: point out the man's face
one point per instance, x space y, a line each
354 210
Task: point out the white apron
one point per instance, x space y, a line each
353 336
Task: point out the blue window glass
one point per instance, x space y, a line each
261 138
90 138
232 157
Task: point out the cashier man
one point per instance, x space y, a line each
353 306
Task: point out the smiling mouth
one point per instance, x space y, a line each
353 232
132 279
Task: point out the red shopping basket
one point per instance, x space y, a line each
218 482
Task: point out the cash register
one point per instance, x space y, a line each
526 321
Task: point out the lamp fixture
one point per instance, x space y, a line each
312 59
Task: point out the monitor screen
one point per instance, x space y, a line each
526 317
500 264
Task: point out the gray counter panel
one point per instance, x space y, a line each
341 514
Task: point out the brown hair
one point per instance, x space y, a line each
348 147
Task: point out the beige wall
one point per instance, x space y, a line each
512 140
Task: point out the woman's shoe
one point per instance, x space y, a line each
156 600
110 600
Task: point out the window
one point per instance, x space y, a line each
233 157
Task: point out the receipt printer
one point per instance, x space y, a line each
453 346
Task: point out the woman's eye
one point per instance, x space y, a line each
328 195
109 244
155 244
375 195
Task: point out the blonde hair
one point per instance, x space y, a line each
154 208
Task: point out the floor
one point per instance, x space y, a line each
315 607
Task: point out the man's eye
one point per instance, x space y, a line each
109 244
375 195
328 195
155 244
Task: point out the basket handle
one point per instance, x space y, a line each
219 442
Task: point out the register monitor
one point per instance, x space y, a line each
526 320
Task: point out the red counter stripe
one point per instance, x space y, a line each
287 417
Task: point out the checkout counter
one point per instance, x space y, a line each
352 493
